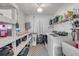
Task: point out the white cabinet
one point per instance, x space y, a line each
50 46
55 45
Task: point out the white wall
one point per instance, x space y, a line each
67 25
39 23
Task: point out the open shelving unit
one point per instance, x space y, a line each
12 39
65 20
61 22
9 39
20 47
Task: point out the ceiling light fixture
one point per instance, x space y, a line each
39 10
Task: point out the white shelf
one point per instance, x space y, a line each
75 28
18 37
7 20
20 47
63 21
6 40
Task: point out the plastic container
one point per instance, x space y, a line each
3 30
76 45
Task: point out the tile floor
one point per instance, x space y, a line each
39 50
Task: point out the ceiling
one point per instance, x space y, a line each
6 6
31 8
